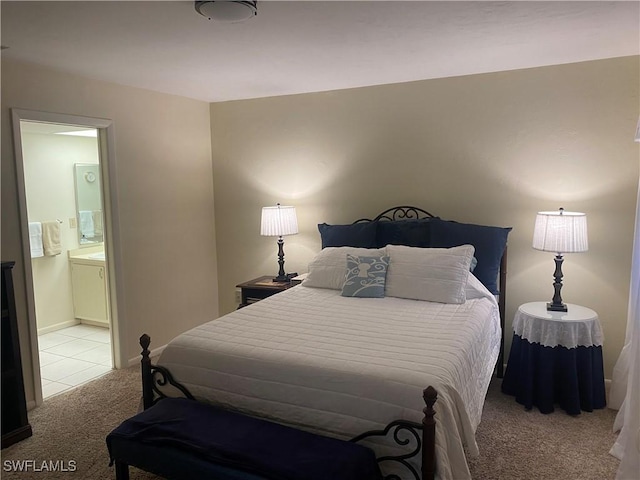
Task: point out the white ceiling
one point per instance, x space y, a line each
304 46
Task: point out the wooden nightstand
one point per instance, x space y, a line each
260 288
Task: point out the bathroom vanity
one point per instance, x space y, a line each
89 286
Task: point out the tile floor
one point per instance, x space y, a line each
72 356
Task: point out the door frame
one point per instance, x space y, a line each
106 147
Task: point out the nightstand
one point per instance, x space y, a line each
260 288
556 358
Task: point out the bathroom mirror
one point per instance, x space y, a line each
88 203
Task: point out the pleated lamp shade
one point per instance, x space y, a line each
561 232
278 221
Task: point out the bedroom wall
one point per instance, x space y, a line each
165 197
491 149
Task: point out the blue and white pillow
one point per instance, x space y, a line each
366 276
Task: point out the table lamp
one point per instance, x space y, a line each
279 221
560 232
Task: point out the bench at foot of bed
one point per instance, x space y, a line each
187 460
179 438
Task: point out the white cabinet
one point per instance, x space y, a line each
89 285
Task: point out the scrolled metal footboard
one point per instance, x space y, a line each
155 376
399 427
424 444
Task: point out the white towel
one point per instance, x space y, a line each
35 239
51 238
86 224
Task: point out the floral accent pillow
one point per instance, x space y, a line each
366 276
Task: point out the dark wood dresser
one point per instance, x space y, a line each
15 423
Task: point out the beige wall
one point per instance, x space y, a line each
164 193
491 149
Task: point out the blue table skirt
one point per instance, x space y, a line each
543 376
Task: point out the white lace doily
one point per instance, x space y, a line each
579 326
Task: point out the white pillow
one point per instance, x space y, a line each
432 274
328 269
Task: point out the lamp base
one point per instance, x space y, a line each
556 307
556 304
285 278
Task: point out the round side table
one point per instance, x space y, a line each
556 358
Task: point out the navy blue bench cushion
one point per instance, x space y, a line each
172 463
247 444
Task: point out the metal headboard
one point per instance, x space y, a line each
403 212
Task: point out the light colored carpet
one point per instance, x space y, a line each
514 443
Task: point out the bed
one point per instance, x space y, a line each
364 369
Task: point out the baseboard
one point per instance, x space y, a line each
58 326
154 354
95 323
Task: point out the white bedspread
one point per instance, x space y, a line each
341 366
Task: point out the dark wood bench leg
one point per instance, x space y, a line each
122 471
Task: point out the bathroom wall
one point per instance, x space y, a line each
50 192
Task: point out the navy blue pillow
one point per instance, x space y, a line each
362 235
412 233
489 243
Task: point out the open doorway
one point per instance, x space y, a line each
65 229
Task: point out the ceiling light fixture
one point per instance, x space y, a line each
227 11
